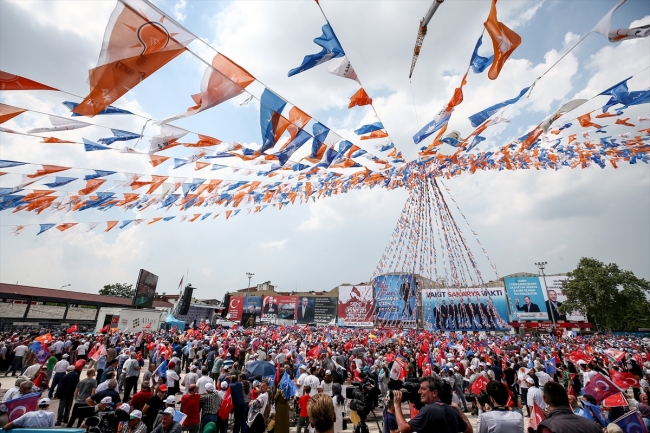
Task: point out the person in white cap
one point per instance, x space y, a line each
39 418
210 405
300 382
60 368
535 395
168 425
134 424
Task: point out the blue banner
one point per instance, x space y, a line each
472 309
527 300
395 299
253 305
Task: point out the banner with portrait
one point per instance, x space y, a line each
319 310
472 309
279 307
395 299
253 305
526 297
555 298
355 306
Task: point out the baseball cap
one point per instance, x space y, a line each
302 367
169 411
136 414
65 355
44 402
224 385
107 400
530 380
125 407
209 387
171 399
162 388
193 367
328 371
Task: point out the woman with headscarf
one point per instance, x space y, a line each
281 413
339 407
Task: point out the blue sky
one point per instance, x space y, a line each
521 217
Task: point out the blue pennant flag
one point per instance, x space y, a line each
369 128
482 116
60 181
179 162
119 135
42 354
287 386
90 146
270 107
593 413
98 173
620 95
549 367
386 147
108 110
125 223
475 142
4 163
217 167
44 228
441 119
206 215
331 49
296 143
530 363
169 218
480 64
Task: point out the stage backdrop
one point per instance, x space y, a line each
473 309
355 306
316 310
395 299
555 286
526 287
279 307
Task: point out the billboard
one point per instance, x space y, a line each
555 298
473 309
279 307
355 306
253 305
145 289
316 310
235 308
527 300
395 299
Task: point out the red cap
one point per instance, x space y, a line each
162 388
79 365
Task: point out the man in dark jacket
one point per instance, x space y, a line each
561 418
237 393
65 392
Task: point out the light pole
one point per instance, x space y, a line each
66 285
250 275
542 266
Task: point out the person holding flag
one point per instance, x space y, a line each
34 419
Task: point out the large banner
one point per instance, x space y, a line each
145 289
474 309
235 308
527 300
355 306
316 310
395 299
279 307
253 305
556 298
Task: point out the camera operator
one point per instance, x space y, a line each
435 416
499 419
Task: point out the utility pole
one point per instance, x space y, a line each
542 266
250 275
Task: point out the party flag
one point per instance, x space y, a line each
604 27
504 41
331 49
8 112
479 64
14 82
631 422
360 98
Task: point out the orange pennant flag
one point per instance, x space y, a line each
194 218
504 41
375 134
8 112
585 121
154 220
624 122
201 165
65 226
91 185
458 95
14 82
110 225
55 140
156 160
228 212
360 98
36 194
138 40
47 169
601 115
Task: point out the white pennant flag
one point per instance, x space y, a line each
60 124
91 226
604 27
343 68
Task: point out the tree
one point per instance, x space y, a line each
118 289
613 298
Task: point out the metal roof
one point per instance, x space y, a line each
17 290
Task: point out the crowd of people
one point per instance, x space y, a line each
267 378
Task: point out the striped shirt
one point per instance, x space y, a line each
210 403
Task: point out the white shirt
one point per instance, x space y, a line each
81 349
61 366
172 378
11 394
57 347
497 421
40 418
301 382
588 375
522 375
537 396
202 381
20 350
543 378
312 381
102 386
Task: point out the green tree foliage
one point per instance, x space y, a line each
613 298
118 289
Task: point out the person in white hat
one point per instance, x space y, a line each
168 425
134 424
39 418
535 395
60 369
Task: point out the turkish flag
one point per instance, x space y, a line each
313 353
536 417
105 329
623 380
73 328
616 400
479 384
601 387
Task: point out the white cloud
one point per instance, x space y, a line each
179 10
520 13
274 245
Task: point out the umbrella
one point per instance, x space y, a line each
261 368
358 351
512 347
390 341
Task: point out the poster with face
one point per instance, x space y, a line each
279 307
395 298
527 300
253 305
471 309
553 286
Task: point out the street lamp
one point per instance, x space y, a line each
542 266
250 275
66 285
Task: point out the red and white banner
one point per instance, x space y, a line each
235 308
355 306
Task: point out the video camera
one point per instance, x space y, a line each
409 392
363 396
